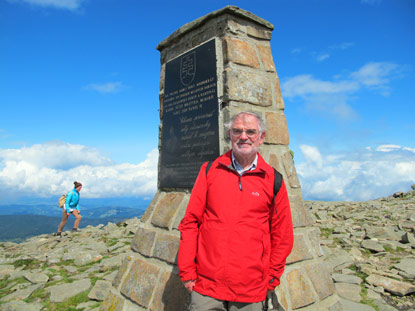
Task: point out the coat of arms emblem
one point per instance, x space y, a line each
188 68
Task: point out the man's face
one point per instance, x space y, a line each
245 136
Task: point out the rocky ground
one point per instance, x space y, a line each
370 247
73 272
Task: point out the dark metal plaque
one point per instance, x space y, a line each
190 134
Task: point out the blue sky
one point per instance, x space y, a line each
80 80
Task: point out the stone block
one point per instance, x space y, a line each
112 303
205 35
392 286
259 33
18 305
248 87
25 292
266 57
149 211
314 238
288 162
278 97
143 241
300 250
319 275
140 282
162 76
161 100
349 291
235 28
274 162
166 208
240 52
60 293
166 247
170 294
181 212
300 288
120 273
277 132
100 290
301 217
282 296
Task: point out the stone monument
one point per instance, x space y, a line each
211 69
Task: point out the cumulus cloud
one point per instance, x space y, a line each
356 176
322 57
342 46
58 4
376 75
49 169
333 96
296 51
110 87
371 2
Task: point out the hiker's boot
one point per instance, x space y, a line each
75 230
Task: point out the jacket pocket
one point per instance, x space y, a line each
247 264
210 253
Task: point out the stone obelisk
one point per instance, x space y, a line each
211 69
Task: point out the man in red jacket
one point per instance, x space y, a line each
235 236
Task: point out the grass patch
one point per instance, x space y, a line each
112 242
66 262
38 295
71 303
365 300
4 285
28 264
326 232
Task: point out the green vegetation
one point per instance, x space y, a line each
68 305
326 232
112 242
365 300
30 264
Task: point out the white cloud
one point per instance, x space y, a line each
376 75
341 46
59 4
356 176
50 169
110 87
304 85
296 51
332 97
322 57
388 148
371 2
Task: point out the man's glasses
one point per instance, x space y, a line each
238 132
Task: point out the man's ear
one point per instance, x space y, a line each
262 137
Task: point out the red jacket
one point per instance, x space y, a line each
234 240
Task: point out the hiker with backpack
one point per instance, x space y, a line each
237 230
71 205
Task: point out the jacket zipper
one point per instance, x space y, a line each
240 184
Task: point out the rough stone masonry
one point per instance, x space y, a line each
246 80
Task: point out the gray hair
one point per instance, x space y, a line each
261 123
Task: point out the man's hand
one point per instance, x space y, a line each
189 285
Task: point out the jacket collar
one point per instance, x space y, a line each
226 160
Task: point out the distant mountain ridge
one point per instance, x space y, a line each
21 221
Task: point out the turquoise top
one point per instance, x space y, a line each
72 200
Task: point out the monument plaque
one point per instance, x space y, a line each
190 134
